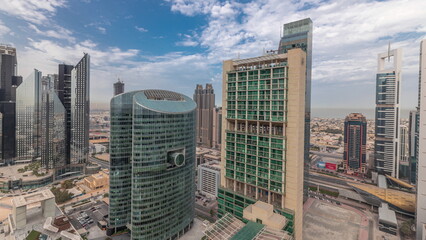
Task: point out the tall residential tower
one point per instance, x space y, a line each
388 88
298 34
152 146
205 99
355 140
263 135
421 160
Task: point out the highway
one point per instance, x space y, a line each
104 164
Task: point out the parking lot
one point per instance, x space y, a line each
89 218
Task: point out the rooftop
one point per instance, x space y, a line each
28 199
387 215
12 173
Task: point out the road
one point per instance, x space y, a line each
104 164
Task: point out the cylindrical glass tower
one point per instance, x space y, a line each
152 163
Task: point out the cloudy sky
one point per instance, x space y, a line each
175 44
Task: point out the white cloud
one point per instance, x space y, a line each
347 35
34 11
141 29
57 32
102 30
189 41
3 29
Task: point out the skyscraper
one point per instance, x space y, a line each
152 148
118 87
263 135
28 125
298 34
355 140
8 84
421 159
205 100
404 159
63 90
413 144
53 126
80 111
388 86
217 127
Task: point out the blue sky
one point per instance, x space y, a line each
175 44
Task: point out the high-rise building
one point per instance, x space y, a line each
421 157
53 126
152 147
404 158
8 85
298 34
28 118
413 144
80 111
388 88
209 178
63 90
217 127
263 135
355 140
118 87
205 100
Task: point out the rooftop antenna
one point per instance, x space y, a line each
389 52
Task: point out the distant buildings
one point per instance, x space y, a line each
8 84
355 140
217 127
205 99
413 144
52 119
152 147
421 159
118 87
388 88
209 178
264 107
404 159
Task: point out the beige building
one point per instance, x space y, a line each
98 180
263 135
205 99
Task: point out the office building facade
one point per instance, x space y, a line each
118 87
63 90
298 34
355 140
413 144
205 99
388 88
53 126
263 135
80 111
404 156
209 178
28 118
8 84
217 127
421 160
152 147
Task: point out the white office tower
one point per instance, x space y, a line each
421 164
388 85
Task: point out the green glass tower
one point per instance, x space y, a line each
152 147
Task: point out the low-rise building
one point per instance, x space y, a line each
98 180
209 178
387 220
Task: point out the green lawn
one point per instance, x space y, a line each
34 235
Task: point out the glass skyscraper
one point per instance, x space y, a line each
388 88
8 84
298 34
28 124
263 135
152 147
80 111
53 123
